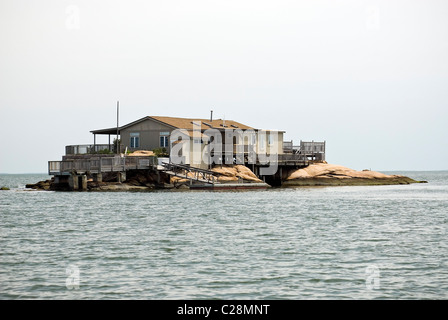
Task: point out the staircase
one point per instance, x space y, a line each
191 173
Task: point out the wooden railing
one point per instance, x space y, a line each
308 147
100 164
313 149
92 149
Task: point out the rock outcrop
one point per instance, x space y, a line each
225 174
141 153
235 173
41 185
317 174
117 186
324 174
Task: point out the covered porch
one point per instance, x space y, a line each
114 141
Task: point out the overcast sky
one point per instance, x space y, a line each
369 77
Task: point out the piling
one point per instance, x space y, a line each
121 177
98 177
82 184
73 182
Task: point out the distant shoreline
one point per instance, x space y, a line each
21 174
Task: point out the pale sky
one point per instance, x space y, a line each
369 77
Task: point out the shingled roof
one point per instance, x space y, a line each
187 123
181 123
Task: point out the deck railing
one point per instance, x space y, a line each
312 149
100 164
92 149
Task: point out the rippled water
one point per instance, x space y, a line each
375 242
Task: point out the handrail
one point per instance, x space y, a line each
101 164
199 174
186 167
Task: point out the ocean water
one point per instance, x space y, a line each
371 242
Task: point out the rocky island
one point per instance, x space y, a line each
324 174
316 174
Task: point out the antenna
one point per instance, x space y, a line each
118 117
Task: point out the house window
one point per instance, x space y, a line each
135 140
262 140
164 141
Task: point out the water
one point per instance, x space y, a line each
374 242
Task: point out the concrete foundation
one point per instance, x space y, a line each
73 182
121 176
77 182
97 177
82 183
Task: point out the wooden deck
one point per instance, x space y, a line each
100 165
308 150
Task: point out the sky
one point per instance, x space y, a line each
368 77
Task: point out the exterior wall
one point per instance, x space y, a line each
149 138
270 149
149 131
280 143
196 153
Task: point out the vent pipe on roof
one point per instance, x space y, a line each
211 115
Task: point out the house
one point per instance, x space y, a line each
194 146
191 139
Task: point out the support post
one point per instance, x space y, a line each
73 182
97 177
121 176
83 182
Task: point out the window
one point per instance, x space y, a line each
164 141
262 140
135 140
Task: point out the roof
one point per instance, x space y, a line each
110 131
187 123
181 123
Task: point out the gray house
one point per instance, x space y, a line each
154 132
199 143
